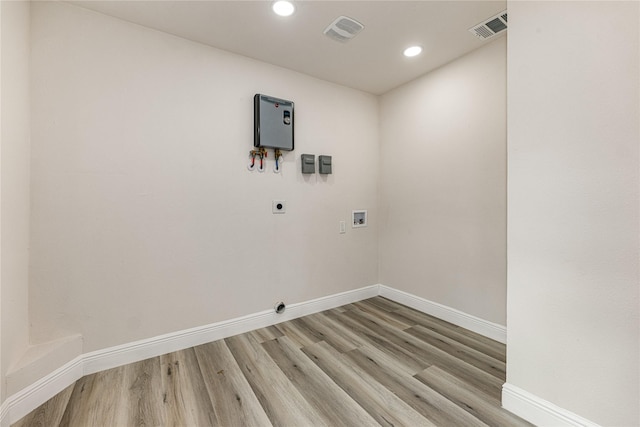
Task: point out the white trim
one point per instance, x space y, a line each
514 399
23 402
140 350
539 411
20 404
4 414
467 321
29 398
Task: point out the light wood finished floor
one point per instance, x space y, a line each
370 363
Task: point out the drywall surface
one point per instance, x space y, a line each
14 178
145 219
573 186
443 185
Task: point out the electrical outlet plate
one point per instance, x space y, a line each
343 227
278 206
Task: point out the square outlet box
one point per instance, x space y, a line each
278 206
358 218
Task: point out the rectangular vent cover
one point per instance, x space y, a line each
343 29
491 27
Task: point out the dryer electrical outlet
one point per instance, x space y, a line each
273 122
278 206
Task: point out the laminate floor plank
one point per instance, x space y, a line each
77 406
231 395
311 334
300 336
338 338
319 390
331 320
373 362
97 398
373 310
281 401
185 394
426 401
143 386
489 347
348 307
266 334
460 351
393 341
411 362
474 401
382 404
336 310
384 303
427 354
472 339
49 413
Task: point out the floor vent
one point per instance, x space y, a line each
343 29
491 27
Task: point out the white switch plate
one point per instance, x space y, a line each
343 227
278 206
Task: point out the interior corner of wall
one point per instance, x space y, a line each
41 360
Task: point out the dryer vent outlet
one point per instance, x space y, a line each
280 307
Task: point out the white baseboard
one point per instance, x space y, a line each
25 401
4 414
140 350
539 411
514 399
28 399
483 327
20 404
40 360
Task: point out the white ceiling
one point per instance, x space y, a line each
372 61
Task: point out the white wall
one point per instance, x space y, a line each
14 178
145 219
573 191
443 185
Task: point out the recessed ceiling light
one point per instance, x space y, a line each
283 8
412 51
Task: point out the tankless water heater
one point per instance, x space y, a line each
273 122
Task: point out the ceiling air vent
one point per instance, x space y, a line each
491 27
343 29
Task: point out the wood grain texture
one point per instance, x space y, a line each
327 330
383 405
429 403
185 395
282 402
384 315
410 361
96 398
265 334
145 400
318 389
474 401
232 397
50 413
492 348
373 362
467 354
417 354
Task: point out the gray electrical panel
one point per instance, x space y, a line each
273 122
